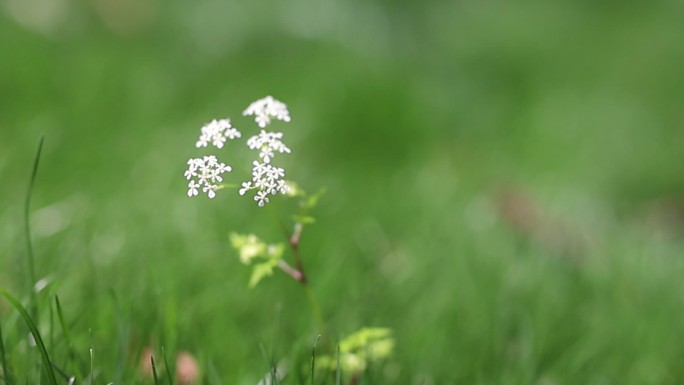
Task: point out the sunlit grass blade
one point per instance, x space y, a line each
27 228
3 357
36 335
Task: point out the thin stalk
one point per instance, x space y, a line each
300 276
291 271
294 245
27 229
316 311
313 359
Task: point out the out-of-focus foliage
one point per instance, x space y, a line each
505 182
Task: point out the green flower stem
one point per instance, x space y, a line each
299 275
316 312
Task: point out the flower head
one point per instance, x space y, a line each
205 172
217 132
266 109
268 143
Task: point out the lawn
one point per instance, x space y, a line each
504 188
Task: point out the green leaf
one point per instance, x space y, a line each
312 201
262 270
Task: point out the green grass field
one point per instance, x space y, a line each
504 187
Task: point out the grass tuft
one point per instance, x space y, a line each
36 335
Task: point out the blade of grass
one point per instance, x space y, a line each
313 358
27 229
62 322
91 376
5 370
36 335
67 337
51 336
154 371
166 364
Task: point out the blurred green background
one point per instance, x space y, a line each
505 181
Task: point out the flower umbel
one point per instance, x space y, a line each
216 132
268 143
266 109
205 173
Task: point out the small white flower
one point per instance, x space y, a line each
283 187
192 188
245 187
222 167
192 170
266 109
210 189
216 132
233 133
261 197
259 169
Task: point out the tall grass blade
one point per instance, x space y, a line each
27 228
5 370
166 364
36 335
67 337
62 322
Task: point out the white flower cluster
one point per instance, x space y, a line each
216 132
205 173
267 143
266 109
267 179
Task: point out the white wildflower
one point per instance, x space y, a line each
205 173
261 197
192 188
207 170
246 186
217 132
266 109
